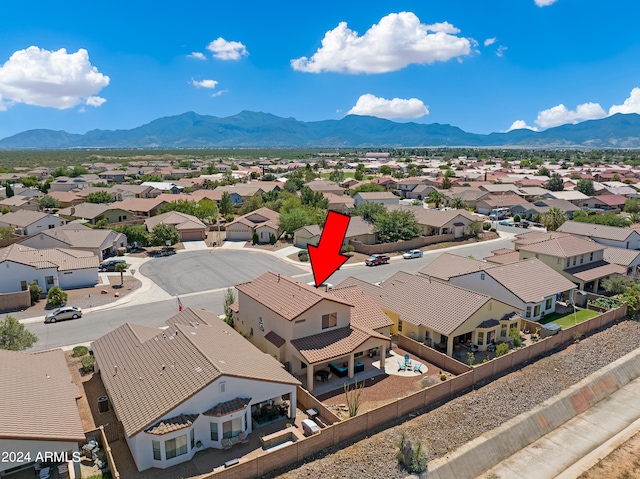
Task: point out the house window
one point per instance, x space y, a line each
49 280
536 310
261 324
575 259
480 338
303 365
548 303
223 386
581 258
214 431
591 257
156 450
503 330
481 275
568 262
193 439
232 428
329 320
176 447
528 314
399 326
23 285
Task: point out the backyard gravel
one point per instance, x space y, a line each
462 419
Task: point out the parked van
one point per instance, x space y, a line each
500 213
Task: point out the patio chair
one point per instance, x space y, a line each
417 367
226 443
243 438
402 366
407 360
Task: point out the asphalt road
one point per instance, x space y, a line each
195 274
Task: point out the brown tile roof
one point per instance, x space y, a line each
358 226
285 296
448 265
22 218
274 339
530 280
366 314
146 377
563 247
313 230
536 237
433 217
90 210
172 424
621 256
78 235
378 195
597 231
270 217
339 199
62 258
497 201
593 271
141 204
332 344
227 407
181 221
37 397
503 258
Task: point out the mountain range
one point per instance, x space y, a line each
250 129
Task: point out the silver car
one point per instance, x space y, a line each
67 312
414 253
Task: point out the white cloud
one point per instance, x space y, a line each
545 3
218 93
521 125
500 51
211 84
371 105
489 41
398 40
55 79
225 50
197 56
630 105
560 115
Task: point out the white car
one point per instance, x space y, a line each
325 286
414 253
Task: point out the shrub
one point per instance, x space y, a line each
254 238
35 291
502 349
516 218
88 364
471 358
486 226
413 457
443 377
515 337
56 297
348 248
493 230
303 256
79 351
272 239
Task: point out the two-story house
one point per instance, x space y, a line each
307 328
627 238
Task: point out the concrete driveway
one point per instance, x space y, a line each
194 271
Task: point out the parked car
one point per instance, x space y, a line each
60 314
110 264
506 223
414 253
522 224
376 259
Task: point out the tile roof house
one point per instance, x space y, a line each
146 207
628 258
339 203
62 267
325 186
94 212
574 196
17 203
438 313
263 221
485 204
307 328
38 409
101 242
66 198
528 210
380 197
441 222
189 227
615 236
196 384
447 266
612 203
28 223
307 235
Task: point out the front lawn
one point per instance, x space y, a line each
568 320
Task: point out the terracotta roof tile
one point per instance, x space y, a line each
227 407
172 424
274 339
593 271
563 247
365 314
620 256
596 231
62 258
447 266
332 344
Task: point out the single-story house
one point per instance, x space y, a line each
94 212
263 221
339 203
189 227
613 203
574 196
627 238
66 198
441 222
113 176
63 183
197 384
379 197
28 223
38 410
164 186
143 206
325 186
245 191
487 203
62 267
361 231
307 235
17 203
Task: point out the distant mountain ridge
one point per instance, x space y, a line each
250 129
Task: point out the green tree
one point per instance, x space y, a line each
56 297
103 223
544 171
14 336
311 198
358 175
446 183
632 205
5 210
229 299
458 204
48 202
397 225
120 268
368 211
99 197
35 291
385 170
336 175
436 197
226 205
251 204
30 182
367 188
162 233
502 349
553 219
294 219
585 186
617 284
137 234
6 232
555 183
9 190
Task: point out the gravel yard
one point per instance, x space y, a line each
450 426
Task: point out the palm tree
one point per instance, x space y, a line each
553 218
458 204
436 197
121 267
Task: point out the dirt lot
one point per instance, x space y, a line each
623 463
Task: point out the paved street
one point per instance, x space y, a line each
200 279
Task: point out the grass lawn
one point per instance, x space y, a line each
568 320
347 174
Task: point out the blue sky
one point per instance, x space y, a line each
479 65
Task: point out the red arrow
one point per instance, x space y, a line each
326 258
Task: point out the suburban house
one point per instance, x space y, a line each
339 203
487 203
577 259
469 195
626 238
503 256
101 242
325 186
441 222
94 212
28 223
613 203
139 191
16 203
66 198
189 227
530 285
361 231
244 191
67 268
197 384
379 197
405 186
307 235
145 207
528 210
307 328
164 186
113 176
38 410
263 221
420 192
62 183
447 266
216 195
627 258
574 196
443 316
